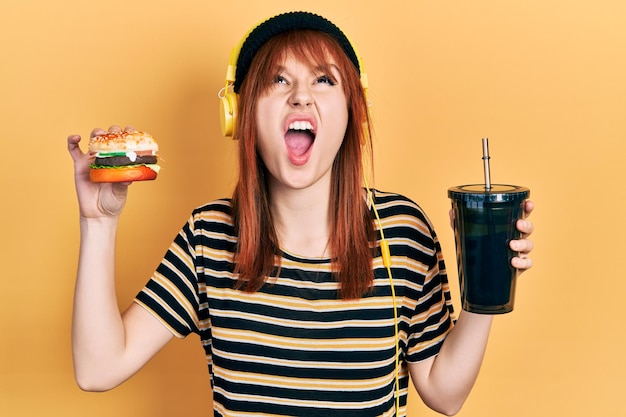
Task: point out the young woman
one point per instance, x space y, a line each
285 282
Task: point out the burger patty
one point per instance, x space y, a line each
116 161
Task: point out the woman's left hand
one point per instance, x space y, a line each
524 245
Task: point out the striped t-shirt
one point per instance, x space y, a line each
294 348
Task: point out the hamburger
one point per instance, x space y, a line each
123 157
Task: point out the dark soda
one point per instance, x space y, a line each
484 224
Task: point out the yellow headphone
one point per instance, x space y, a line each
229 100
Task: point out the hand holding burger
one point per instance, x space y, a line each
102 180
123 157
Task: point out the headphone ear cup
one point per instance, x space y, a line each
228 114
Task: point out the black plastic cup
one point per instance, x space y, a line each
484 224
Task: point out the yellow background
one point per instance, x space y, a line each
544 80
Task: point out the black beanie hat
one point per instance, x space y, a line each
283 23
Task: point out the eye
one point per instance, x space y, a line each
325 79
279 79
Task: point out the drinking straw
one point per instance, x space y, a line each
486 163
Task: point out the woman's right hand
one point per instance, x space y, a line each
107 347
95 200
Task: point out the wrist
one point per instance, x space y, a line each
98 227
103 221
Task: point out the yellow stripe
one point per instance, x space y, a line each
303 383
312 345
224 411
299 304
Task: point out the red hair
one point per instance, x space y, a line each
352 237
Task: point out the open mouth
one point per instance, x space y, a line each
299 137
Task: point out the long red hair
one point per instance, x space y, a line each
352 237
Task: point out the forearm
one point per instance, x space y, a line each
97 328
455 369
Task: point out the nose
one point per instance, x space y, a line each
301 96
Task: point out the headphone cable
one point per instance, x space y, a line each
386 257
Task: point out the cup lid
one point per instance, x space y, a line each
497 193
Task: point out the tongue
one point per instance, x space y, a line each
298 142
